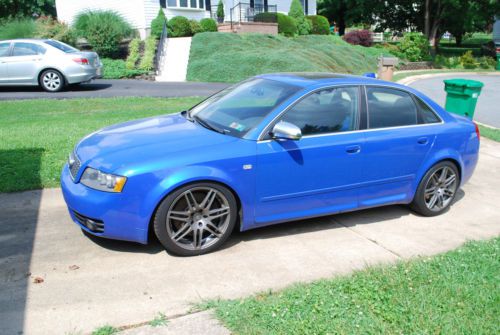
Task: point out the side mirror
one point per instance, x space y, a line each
286 131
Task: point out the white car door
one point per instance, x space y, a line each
4 54
24 62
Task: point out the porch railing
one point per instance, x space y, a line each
244 12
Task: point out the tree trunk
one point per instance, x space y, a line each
427 18
458 39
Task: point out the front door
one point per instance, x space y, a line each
315 175
4 54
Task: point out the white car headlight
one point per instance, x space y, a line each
102 181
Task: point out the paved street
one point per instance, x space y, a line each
488 105
116 88
55 279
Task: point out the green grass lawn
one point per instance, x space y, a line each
491 133
454 293
227 57
36 136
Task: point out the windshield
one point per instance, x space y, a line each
239 108
61 46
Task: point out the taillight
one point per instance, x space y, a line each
477 131
498 50
81 61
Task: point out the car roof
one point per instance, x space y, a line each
40 40
319 79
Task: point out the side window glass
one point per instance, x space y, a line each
327 111
426 113
4 49
388 107
27 49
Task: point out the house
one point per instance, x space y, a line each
140 13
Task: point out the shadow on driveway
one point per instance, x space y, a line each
17 235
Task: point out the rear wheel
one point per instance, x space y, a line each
196 219
51 81
437 189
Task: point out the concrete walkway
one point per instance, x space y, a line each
56 280
175 62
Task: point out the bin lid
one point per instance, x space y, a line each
464 83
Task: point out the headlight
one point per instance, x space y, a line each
102 181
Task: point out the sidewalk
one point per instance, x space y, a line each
56 280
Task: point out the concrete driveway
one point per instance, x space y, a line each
89 282
487 109
116 88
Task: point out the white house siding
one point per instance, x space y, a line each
192 14
138 13
282 6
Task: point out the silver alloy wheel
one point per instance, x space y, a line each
198 218
440 189
52 80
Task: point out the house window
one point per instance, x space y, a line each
194 4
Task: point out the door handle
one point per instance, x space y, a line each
353 149
423 140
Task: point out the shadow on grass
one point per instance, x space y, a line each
18 219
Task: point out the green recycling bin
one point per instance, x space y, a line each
462 96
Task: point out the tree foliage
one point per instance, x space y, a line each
297 12
26 8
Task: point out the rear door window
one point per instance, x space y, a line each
27 49
389 107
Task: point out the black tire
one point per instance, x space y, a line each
166 226
422 202
51 81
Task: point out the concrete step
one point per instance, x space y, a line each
175 59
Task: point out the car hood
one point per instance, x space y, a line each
146 140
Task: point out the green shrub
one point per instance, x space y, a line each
195 27
17 28
467 60
208 25
147 61
265 17
297 12
220 11
179 26
287 25
393 49
415 47
319 24
133 53
104 30
486 62
116 69
47 27
157 24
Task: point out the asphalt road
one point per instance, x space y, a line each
116 88
56 280
488 104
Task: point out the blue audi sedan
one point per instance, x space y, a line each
271 149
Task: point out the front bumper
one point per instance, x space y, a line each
118 213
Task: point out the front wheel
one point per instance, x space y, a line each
437 189
196 219
52 81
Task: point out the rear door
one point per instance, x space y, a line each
397 142
24 63
4 54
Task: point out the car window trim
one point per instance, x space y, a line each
263 134
9 49
414 102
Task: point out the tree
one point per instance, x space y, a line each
26 8
297 12
220 11
346 12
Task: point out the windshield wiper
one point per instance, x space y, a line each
207 125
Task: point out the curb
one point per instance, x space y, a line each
408 80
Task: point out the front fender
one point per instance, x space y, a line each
237 180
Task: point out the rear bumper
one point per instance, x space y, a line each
85 74
111 215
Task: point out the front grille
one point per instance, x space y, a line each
74 165
94 225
